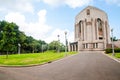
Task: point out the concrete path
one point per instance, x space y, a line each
83 66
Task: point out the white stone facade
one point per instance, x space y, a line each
92 31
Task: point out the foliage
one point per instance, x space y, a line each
117 50
114 39
57 46
32 59
109 50
11 38
117 55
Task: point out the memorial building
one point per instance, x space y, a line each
92 31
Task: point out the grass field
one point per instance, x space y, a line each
32 58
117 55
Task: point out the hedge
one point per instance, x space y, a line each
109 50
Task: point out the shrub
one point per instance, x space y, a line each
109 50
117 50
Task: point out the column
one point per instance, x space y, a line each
78 34
104 35
92 30
75 32
106 30
94 34
95 29
84 31
71 47
81 37
75 47
97 35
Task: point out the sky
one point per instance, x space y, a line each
46 19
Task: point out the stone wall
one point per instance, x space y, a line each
117 43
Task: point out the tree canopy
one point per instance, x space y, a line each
11 38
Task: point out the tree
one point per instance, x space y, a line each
9 38
2 25
55 45
32 45
114 39
43 46
21 39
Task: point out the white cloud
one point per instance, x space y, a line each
113 2
17 5
77 3
18 18
42 16
70 3
28 6
61 33
2 9
37 29
53 2
54 34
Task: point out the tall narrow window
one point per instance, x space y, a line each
80 25
88 12
100 30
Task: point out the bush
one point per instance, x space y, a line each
117 50
109 50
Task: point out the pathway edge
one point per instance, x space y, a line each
111 57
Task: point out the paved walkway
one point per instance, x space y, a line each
83 66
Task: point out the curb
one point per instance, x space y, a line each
111 57
22 66
66 56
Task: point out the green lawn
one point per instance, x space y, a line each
31 59
117 55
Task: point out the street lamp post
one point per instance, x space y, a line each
113 52
19 48
66 43
42 48
58 43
